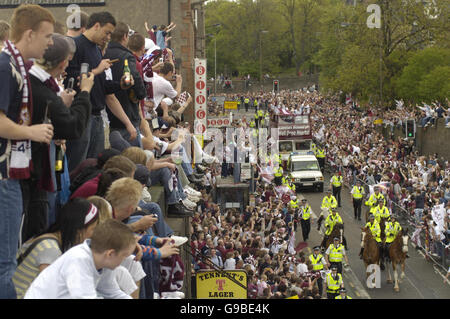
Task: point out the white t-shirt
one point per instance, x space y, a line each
229 264
161 89
301 269
74 276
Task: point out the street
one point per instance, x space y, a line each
422 280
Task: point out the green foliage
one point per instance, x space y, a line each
331 37
425 77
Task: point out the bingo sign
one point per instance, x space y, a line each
200 96
218 122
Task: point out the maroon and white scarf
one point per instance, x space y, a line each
20 163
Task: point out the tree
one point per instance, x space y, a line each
420 79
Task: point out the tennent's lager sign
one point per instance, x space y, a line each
230 105
228 284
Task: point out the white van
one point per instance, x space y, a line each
305 171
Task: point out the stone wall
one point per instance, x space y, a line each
429 140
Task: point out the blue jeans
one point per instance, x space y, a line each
186 164
161 227
163 176
89 145
97 137
418 213
136 142
11 208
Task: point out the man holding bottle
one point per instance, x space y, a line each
100 27
129 99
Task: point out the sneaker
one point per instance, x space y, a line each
179 240
188 204
193 198
191 191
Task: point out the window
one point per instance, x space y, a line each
286 146
303 146
305 166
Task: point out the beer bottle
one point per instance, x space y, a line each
59 159
127 73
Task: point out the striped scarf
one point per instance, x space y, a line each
20 163
26 110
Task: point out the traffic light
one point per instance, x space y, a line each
410 129
276 87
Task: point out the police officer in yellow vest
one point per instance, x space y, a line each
305 221
381 211
291 185
343 294
252 124
263 118
334 282
335 254
373 200
318 263
336 184
278 175
246 103
294 204
392 228
375 229
260 115
320 155
328 202
257 119
330 222
357 193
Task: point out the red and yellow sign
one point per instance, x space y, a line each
229 284
230 105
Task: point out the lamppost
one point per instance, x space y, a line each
260 55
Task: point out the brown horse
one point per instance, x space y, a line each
397 254
371 254
338 231
383 221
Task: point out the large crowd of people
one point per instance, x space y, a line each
91 119
86 124
260 242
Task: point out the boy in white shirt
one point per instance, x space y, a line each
87 270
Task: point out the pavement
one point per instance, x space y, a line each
423 280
